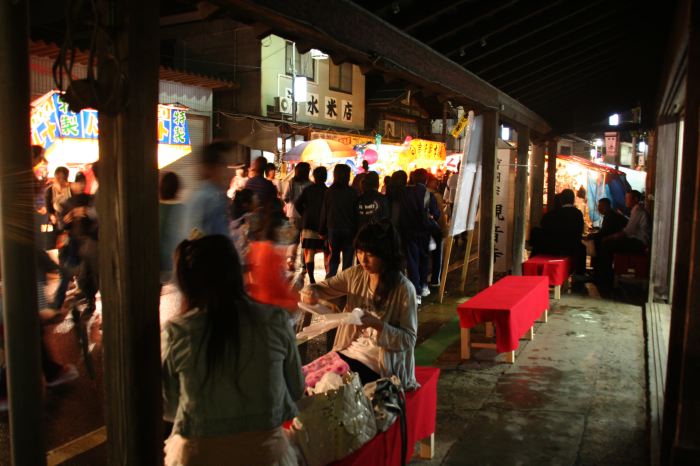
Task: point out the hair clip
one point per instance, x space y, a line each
195 234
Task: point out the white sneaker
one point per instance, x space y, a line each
418 300
425 292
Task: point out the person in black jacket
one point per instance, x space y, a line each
613 222
308 205
81 224
563 230
338 219
372 206
416 206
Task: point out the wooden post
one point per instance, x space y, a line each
680 429
520 200
551 172
427 447
128 245
444 122
19 297
635 156
446 253
537 185
488 198
465 343
467 259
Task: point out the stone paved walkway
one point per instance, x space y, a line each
576 395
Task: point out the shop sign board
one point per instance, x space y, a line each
51 120
427 150
612 144
348 139
459 127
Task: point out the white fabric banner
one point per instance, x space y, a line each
469 180
501 221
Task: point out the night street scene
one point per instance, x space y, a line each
349 232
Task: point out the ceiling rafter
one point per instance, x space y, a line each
554 51
507 26
567 69
533 32
550 82
471 23
581 81
551 64
437 14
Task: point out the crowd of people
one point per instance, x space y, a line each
231 367
562 228
242 253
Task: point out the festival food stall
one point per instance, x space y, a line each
591 182
71 139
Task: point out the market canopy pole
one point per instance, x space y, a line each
488 199
22 334
551 172
520 200
536 185
128 215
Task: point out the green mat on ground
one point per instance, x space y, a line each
430 350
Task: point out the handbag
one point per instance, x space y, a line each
388 404
333 424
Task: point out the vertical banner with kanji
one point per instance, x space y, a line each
500 251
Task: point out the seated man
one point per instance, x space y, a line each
634 238
613 222
561 232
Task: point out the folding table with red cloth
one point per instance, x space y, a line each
513 304
557 268
421 409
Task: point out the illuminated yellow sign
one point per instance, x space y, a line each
459 127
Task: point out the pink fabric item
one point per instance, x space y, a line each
557 268
512 304
315 370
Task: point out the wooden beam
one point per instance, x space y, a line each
680 432
551 172
128 245
19 294
488 199
521 178
536 185
386 48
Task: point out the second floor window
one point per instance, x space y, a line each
340 77
303 63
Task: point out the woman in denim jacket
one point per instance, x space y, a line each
231 370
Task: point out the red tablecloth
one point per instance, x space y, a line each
512 304
557 268
421 406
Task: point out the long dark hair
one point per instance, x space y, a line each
209 275
382 240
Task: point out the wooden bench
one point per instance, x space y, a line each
624 262
556 268
421 411
513 304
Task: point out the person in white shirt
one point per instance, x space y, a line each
451 192
633 239
237 183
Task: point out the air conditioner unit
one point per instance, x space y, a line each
283 105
